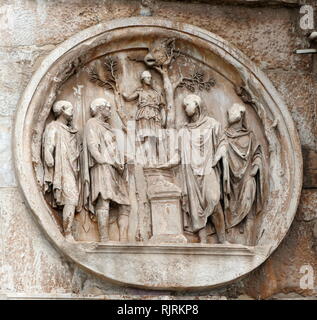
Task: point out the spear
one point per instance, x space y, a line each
80 105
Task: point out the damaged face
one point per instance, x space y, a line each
235 113
68 111
158 53
191 103
106 110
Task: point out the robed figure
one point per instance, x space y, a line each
243 173
61 163
198 142
103 168
150 118
200 138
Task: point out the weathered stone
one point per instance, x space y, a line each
282 271
291 296
251 2
29 262
7 177
307 206
300 97
17 66
38 23
310 168
69 296
267 36
244 297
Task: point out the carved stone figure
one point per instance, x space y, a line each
150 118
61 163
201 184
199 139
243 169
104 185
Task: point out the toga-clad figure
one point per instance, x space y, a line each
243 176
200 138
104 184
61 163
198 142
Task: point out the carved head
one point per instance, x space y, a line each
159 52
146 77
236 113
101 106
191 103
63 108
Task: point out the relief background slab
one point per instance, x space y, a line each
285 165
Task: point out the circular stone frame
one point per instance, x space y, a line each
175 267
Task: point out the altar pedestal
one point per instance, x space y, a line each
164 196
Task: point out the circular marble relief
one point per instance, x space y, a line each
155 154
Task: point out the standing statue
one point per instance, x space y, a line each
150 119
61 163
104 185
242 169
199 140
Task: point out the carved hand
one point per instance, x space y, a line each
132 97
57 193
124 95
254 170
218 157
170 164
49 161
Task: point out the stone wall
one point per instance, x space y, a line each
267 32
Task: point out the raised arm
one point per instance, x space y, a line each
130 97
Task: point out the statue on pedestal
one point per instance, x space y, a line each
150 119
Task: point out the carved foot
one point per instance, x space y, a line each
225 242
202 235
138 236
104 239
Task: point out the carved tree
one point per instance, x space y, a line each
196 82
110 82
160 57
